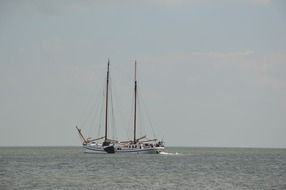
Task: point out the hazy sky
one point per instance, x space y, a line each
212 73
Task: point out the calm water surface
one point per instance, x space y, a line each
192 168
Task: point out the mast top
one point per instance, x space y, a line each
135 73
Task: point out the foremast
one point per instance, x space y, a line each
106 101
135 103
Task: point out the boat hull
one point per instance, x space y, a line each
102 150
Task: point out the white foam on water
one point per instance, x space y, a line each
169 153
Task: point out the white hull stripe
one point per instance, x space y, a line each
154 150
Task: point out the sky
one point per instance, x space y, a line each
210 73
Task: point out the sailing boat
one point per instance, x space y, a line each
136 145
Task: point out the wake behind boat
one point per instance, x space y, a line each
104 145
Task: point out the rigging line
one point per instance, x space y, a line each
92 124
130 124
93 116
80 137
142 129
114 132
100 120
89 114
87 107
129 132
147 114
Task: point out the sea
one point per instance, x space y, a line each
177 168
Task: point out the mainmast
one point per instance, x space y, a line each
135 101
106 101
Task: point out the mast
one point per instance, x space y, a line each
135 101
106 101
